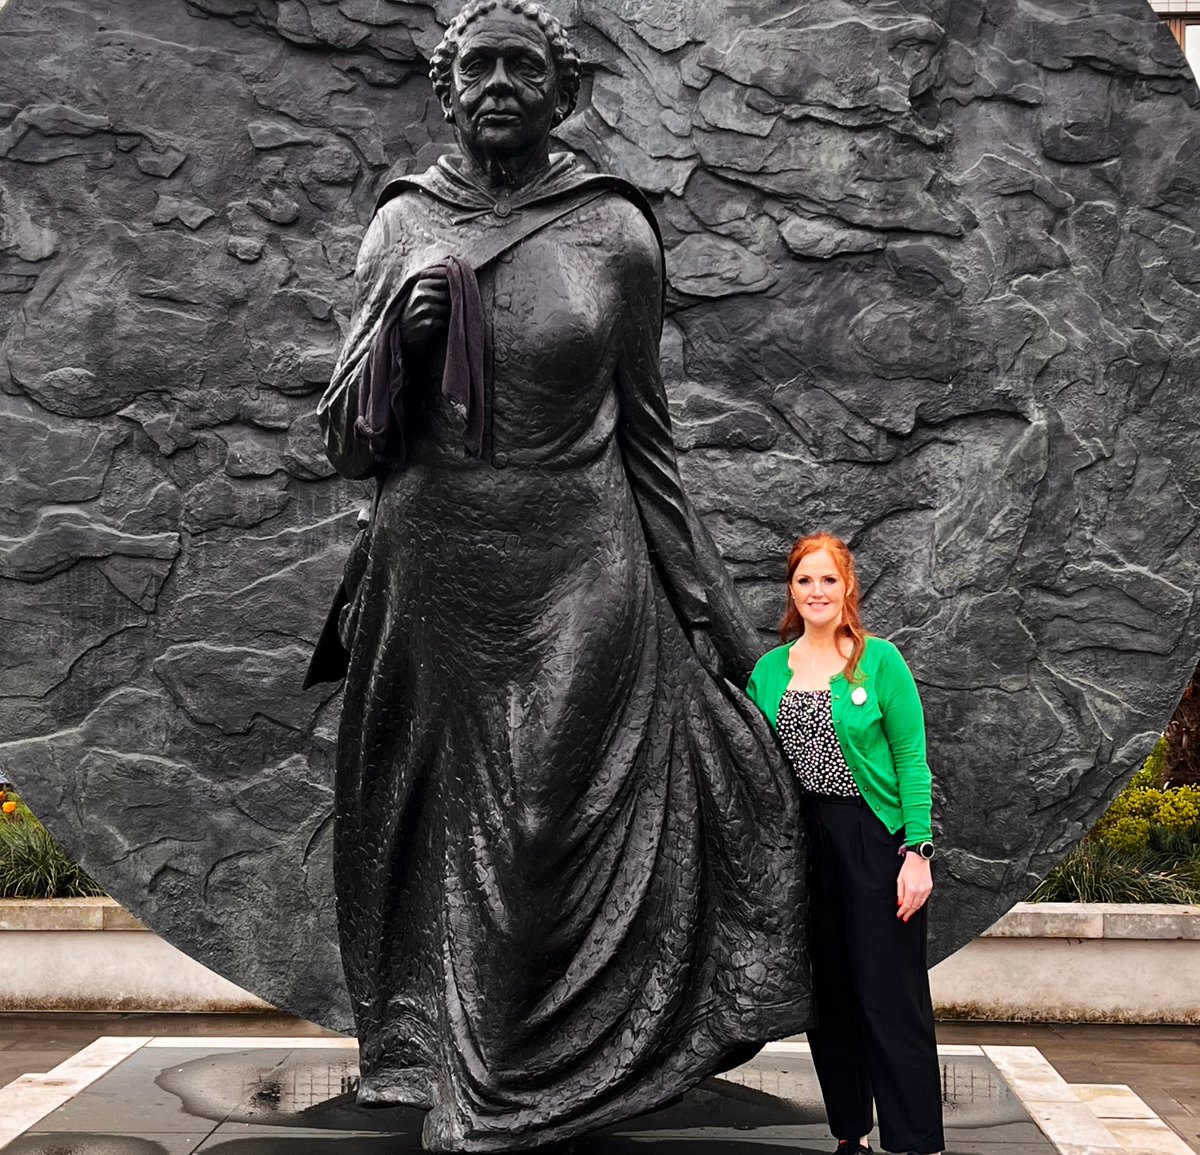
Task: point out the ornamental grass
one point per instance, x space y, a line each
32 864
1145 848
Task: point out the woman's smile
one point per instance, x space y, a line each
818 589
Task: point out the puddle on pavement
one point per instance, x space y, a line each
975 1095
315 1089
973 1092
304 1088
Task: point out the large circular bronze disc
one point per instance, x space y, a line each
934 286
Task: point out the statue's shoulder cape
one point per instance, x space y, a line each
563 185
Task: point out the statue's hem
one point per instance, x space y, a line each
716 1037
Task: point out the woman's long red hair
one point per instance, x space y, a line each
792 625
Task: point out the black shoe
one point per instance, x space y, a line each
849 1147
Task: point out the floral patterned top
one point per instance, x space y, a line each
805 725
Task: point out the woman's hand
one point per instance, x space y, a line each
428 310
913 886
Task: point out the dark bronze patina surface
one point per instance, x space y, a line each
567 853
932 279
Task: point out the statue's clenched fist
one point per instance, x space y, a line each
428 310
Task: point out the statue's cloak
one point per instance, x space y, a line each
568 855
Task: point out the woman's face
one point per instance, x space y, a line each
817 589
504 93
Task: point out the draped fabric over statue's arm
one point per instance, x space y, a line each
692 570
338 409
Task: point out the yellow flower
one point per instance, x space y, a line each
8 807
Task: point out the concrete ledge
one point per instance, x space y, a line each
1077 962
1049 920
1131 920
90 954
65 914
1041 962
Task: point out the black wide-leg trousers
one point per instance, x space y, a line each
874 1037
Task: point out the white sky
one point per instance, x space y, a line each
1191 47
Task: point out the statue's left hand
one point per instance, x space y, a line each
700 638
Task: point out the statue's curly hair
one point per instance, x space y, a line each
562 51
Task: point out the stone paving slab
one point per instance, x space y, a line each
1189 1130
1161 1064
30 1098
1113 1101
289 1096
14 1063
1141 1084
64 1143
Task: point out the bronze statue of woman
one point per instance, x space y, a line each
568 861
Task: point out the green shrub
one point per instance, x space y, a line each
1145 848
32 864
1146 807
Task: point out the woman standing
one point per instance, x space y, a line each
848 714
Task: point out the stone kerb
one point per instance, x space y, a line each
90 954
1078 962
1041 962
1112 920
65 914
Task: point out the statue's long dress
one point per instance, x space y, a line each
568 860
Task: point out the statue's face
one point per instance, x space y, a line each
504 94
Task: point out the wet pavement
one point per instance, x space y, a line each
269 1085
1160 1064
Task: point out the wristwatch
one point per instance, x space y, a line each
924 849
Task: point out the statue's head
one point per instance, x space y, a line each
506 73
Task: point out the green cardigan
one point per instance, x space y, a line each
882 739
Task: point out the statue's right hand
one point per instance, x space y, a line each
427 312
